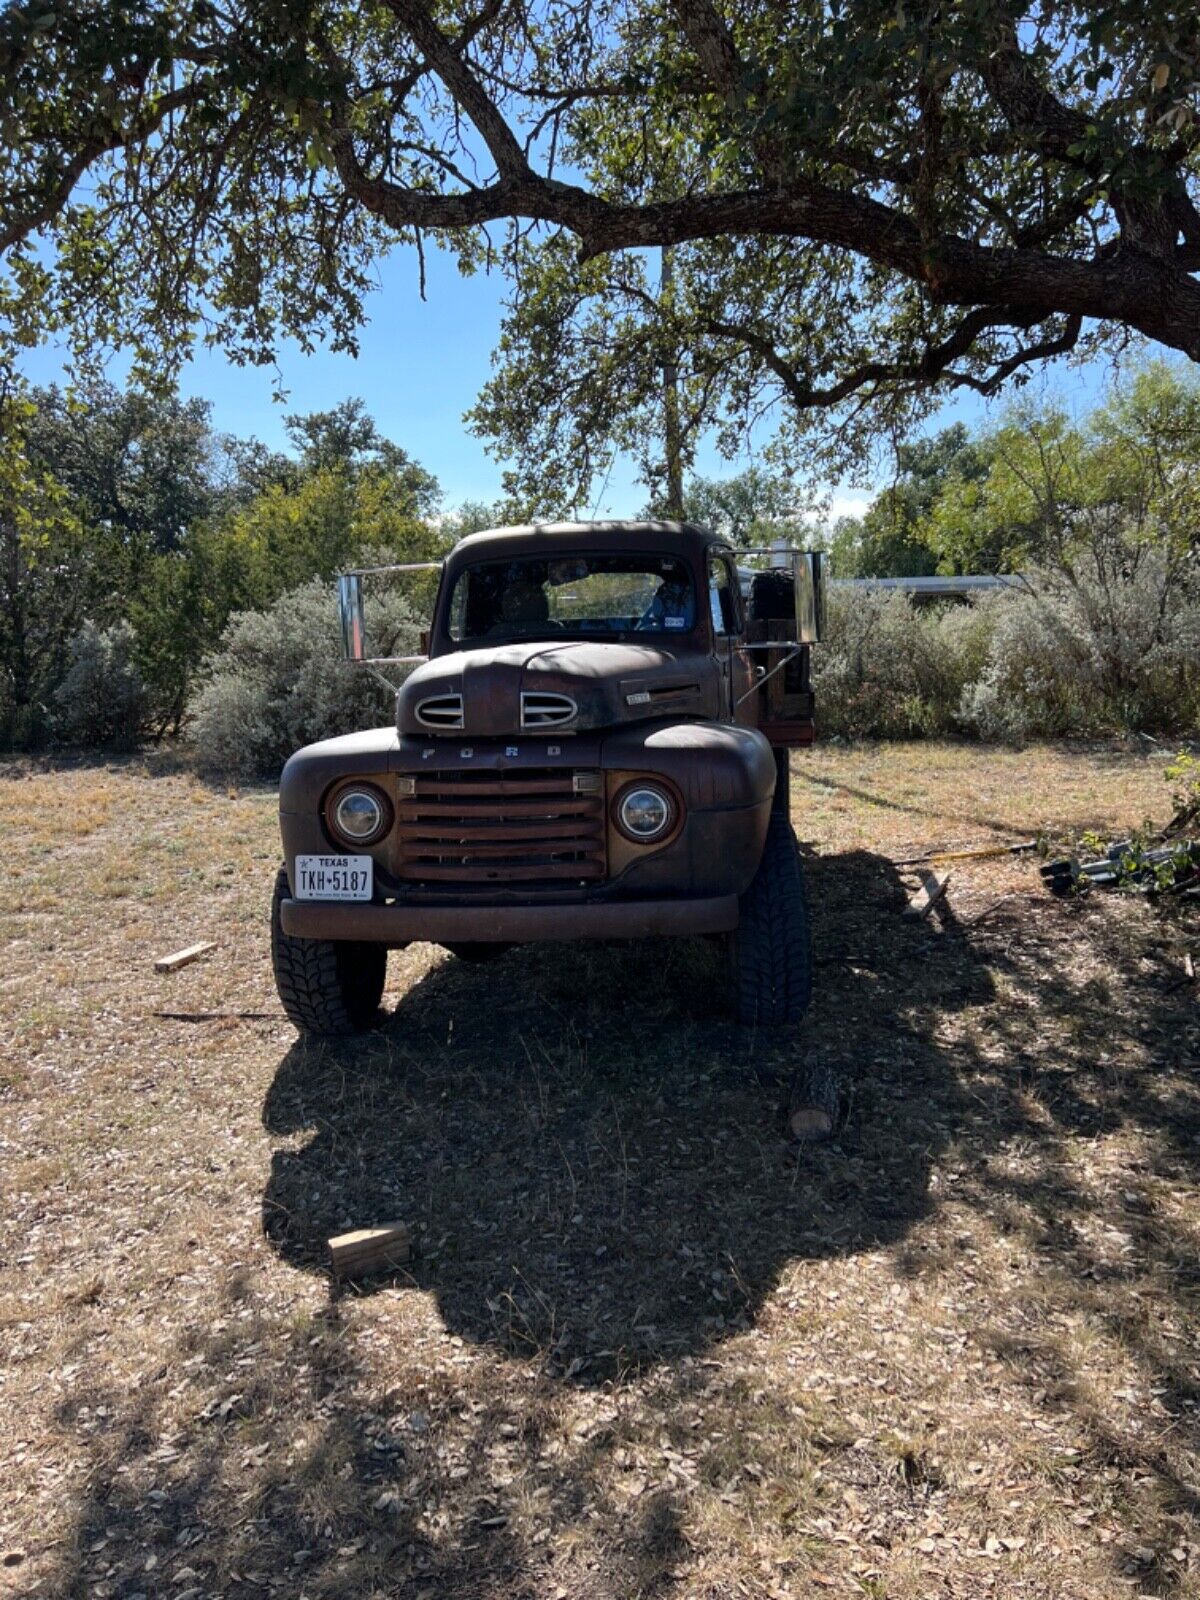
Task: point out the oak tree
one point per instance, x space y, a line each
865 198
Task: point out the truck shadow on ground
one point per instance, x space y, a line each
593 1157
600 1186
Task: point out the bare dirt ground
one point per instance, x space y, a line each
649 1348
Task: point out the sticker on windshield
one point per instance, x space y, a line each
674 622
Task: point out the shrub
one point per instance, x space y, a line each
278 681
1090 653
1065 655
889 669
102 699
1038 677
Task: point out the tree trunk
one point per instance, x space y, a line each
672 432
15 657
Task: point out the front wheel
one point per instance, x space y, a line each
326 986
771 948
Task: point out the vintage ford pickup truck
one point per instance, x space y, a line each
595 747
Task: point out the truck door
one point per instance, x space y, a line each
737 670
786 604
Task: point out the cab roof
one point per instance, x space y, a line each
539 538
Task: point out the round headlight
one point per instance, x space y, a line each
359 815
645 813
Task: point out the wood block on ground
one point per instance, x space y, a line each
933 887
367 1250
181 958
814 1103
810 1124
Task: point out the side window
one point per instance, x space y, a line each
723 596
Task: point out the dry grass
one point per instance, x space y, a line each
648 1349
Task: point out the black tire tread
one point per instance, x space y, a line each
328 987
772 949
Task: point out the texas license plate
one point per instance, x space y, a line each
334 877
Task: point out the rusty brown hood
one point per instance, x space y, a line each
547 686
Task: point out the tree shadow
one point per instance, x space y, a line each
593 1160
603 1198
591 1155
170 759
362 1499
1087 1133
828 781
975 816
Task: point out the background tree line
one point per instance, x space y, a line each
158 576
1095 518
131 531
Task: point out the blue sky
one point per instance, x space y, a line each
421 366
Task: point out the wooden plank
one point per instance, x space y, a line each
183 958
793 731
1189 975
933 887
367 1250
813 1103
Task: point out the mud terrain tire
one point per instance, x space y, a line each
771 948
326 986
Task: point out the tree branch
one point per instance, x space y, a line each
446 58
1029 107
55 197
1053 129
714 44
934 366
1060 345
1157 298
1134 280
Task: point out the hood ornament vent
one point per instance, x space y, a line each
540 709
443 712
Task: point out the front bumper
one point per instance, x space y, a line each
401 924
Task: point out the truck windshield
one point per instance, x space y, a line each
542 597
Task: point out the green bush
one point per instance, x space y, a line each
1056 656
1090 655
101 699
889 669
278 681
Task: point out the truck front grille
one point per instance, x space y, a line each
479 829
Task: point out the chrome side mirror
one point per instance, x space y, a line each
808 571
350 609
